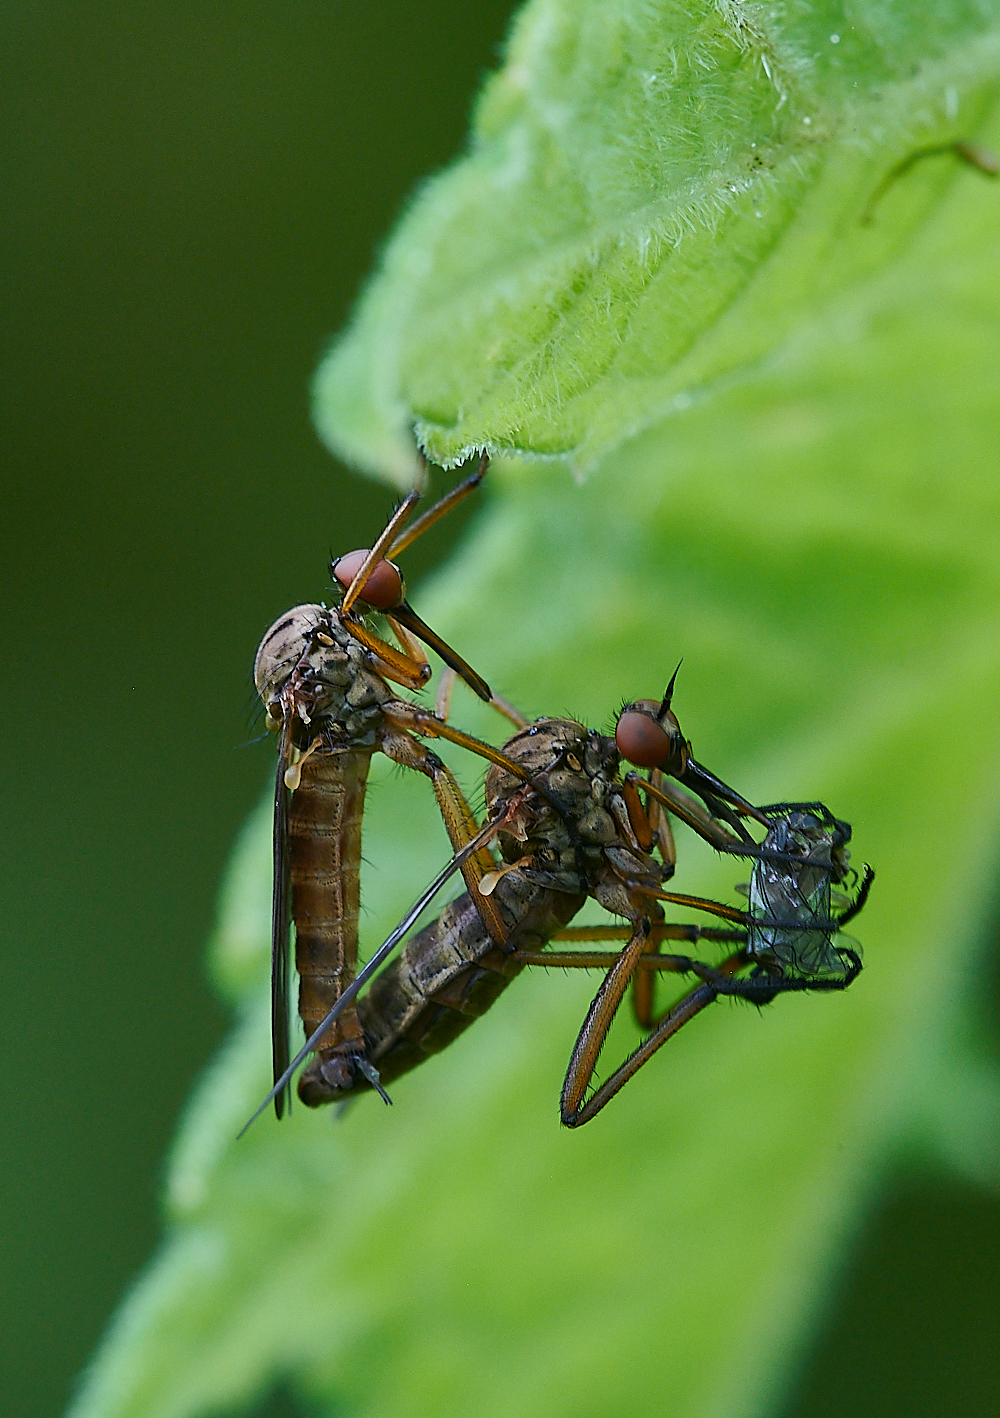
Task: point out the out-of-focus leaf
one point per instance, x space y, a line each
818 539
655 195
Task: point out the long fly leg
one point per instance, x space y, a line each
575 1107
458 818
442 702
787 941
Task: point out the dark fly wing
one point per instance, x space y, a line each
280 923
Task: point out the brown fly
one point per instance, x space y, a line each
788 939
555 853
324 677
575 830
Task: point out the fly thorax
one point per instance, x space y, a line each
564 829
362 729
542 747
364 690
568 786
597 827
341 705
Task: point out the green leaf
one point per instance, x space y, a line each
655 196
815 533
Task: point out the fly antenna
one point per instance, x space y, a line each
669 694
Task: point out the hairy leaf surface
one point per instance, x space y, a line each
655 195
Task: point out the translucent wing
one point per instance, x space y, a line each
790 905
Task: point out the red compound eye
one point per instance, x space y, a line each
641 739
383 587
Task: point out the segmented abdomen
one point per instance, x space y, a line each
451 972
324 826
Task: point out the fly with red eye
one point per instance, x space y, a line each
324 677
370 580
569 827
649 735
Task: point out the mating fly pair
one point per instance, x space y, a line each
569 827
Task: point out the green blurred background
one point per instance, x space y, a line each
194 196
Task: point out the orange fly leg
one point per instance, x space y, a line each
644 992
435 513
407 616
698 903
409 645
391 662
445 689
638 819
416 720
458 819
442 703
509 711
603 960
597 1024
689 810
648 965
575 1111
659 823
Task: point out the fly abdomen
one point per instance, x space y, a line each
324 829
452 971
